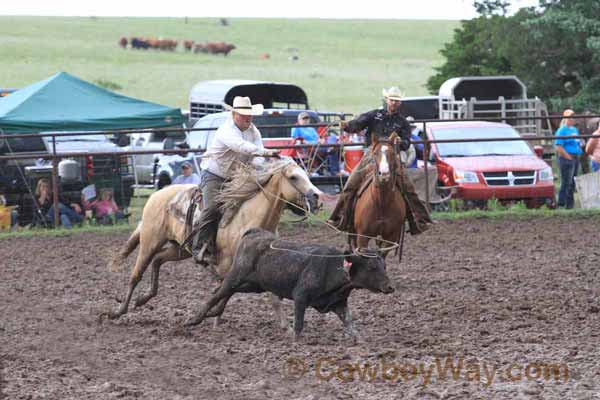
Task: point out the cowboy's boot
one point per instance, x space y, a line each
339 215
204 243
418 215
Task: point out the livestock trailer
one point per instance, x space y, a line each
208 97
467 97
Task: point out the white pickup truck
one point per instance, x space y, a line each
144 163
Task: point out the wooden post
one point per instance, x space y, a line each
425 158
55 182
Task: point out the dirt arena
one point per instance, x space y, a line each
511 306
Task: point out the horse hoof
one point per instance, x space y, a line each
192 322
140 301
114 315
109 314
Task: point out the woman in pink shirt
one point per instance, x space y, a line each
105 209
592 148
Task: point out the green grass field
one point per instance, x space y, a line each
343 65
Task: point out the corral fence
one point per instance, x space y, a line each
55 156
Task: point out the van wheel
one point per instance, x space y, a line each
442 192
475 205
541 201
163 180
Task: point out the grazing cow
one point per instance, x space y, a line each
265 56
188 45
312 275
123 42
139 43
200 48
225 48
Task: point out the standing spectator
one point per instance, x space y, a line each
67 214
593 149
105 209
187 175
415 149
568 151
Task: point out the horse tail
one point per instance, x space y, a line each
118 262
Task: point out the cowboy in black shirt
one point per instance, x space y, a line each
380 122
383 123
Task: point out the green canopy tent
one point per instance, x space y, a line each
66 103
63 103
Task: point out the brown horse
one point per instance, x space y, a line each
380 209
257 201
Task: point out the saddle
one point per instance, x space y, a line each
186 206
368 179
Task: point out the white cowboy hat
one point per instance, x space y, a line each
393 93
243 105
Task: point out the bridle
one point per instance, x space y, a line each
302 197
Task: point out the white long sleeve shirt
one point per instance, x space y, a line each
231 147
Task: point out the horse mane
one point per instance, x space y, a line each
248 181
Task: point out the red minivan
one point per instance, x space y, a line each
505 170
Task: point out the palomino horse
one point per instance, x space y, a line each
380 209
259 202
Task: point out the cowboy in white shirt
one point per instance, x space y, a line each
235 143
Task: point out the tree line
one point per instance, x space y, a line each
554 48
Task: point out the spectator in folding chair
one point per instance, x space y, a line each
187 175
308 135
68 214
106 211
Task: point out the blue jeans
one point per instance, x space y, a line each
595 166
568 169
333 163
66 214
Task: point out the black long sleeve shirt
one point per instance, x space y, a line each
381 123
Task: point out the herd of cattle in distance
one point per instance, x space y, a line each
141 43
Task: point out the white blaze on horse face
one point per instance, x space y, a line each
384 166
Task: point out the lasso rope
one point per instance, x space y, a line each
356 251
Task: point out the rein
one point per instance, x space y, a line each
277 197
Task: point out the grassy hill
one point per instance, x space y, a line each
343 65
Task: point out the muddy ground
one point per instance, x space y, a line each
513 305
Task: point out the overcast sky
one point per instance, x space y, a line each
398 9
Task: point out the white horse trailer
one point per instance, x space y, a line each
501 97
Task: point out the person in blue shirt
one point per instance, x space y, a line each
187 175
307 133
568 151
414 136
